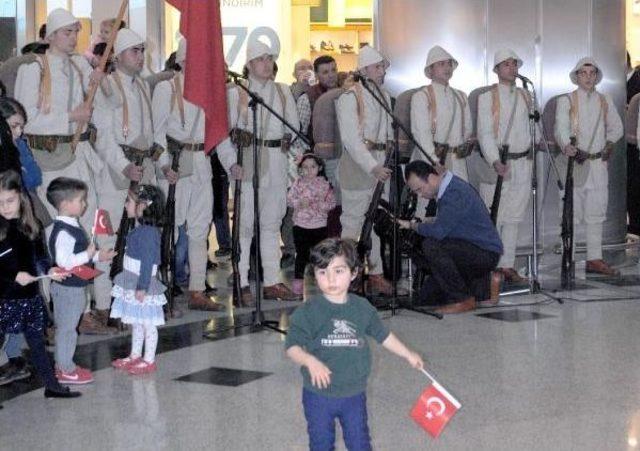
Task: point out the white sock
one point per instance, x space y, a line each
150 343
137 339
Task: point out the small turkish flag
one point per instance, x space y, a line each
102 223
434 408
85 272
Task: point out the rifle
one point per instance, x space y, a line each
567 269
126 224
431 208
235 236
168 247
497 194
364 243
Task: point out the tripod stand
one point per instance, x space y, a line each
258 319
394 305
534 119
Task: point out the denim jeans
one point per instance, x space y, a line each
13 345
182 256
321 413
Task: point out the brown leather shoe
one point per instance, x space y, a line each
282 292
378 284
199 301
511 276
458 307
91 325
600 267
496 282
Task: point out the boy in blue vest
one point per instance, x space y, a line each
69 247
328 339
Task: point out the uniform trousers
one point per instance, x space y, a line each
354 206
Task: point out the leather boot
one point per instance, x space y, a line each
282 292
378 284
600 267
199 301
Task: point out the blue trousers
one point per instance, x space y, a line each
182 257
321 413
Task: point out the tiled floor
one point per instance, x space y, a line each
531 374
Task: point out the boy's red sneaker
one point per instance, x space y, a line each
79 376
142 367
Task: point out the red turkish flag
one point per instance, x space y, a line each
102 223
85 272
434 408
205 80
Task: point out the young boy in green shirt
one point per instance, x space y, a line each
328 338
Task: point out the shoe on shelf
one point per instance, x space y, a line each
79 376
281 292
60 392
199 301
142 367
600 267
125 362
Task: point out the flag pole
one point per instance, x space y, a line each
427 374
93 88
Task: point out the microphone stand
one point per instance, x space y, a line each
394 306
258 319
534 118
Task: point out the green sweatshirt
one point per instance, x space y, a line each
336 335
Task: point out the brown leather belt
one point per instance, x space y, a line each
461 151
51 142
594 156
518 155
243 138
174 143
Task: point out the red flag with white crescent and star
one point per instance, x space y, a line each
205 80
102 223
434 408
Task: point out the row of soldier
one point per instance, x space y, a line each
135 124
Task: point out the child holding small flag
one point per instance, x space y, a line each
23 260
70 249
137 292
328 338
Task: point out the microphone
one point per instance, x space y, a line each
235 75
524 79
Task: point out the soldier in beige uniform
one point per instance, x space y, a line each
273 143
503 119
440 115
52 91
365 129
125 139
179 127
592 118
